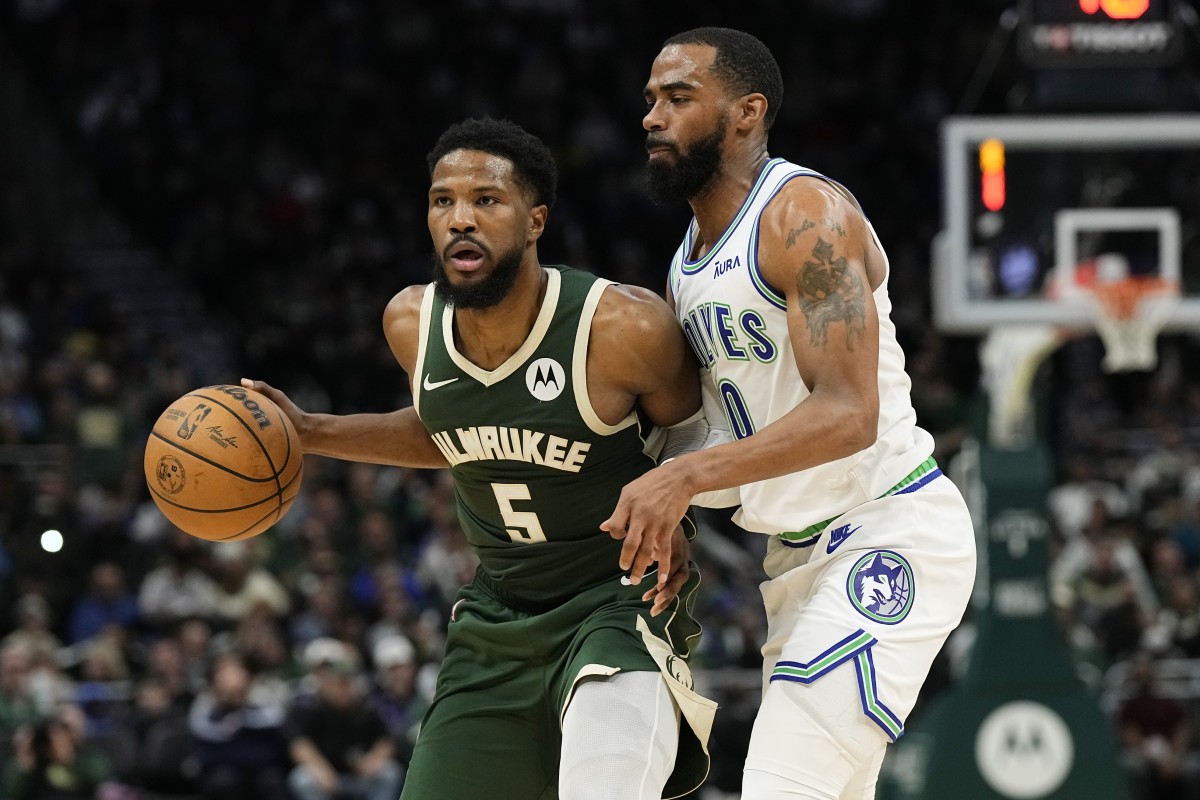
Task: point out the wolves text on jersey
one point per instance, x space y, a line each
714 330
494 442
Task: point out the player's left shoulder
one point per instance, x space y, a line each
808 206
627 313
636 341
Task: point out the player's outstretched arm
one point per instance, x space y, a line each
397 438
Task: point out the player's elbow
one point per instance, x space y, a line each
859 423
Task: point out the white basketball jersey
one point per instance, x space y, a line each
737 325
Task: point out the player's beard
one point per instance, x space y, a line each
692 171
484 293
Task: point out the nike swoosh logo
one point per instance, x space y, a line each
430 385
625 578
838 536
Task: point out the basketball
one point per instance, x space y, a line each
223 463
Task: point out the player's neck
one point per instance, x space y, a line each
488 337
716 206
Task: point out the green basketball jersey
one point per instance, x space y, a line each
535 469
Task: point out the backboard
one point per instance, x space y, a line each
1037 207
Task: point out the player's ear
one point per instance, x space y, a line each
537 223
750 110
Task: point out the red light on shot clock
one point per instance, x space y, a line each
1116 9
991 164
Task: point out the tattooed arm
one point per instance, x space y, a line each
815 248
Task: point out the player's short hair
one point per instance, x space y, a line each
533 165
743 63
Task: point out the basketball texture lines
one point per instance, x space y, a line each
223 463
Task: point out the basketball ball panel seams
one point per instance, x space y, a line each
210 462
253 528
195 510
255 485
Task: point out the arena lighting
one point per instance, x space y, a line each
52 541
991 164
1117 9
1074 34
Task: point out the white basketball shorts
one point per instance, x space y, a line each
871 601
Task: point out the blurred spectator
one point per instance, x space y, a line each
241 746
446 561
243 586
16 703
377 562
195 640
104 689
1176 629
102 433
1117 539
106 603
165 666
33 629
395 693
319 617
1163 469
261 645
1155 734
166 761
51 765
1073 501
339 743
1102 601
178 588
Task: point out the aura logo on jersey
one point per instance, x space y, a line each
545 379
880 586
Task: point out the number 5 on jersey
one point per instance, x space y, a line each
522 526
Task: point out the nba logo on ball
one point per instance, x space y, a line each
545 379
880 586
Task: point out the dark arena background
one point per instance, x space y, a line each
193 192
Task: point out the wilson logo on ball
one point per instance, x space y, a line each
240 394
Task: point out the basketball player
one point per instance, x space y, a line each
538 387
780 285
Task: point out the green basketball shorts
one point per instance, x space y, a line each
493 731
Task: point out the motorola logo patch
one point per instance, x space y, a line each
546 379
1024 750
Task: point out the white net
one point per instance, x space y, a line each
1129 314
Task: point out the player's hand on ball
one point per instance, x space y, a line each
297 415
662 593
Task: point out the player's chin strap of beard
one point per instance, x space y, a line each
698 433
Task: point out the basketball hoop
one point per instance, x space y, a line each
1129 314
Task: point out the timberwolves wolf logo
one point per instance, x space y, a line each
546 379
189 425
881 586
